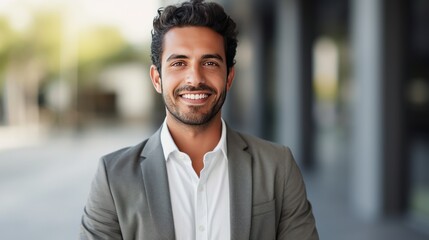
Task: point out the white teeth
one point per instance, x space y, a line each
195 96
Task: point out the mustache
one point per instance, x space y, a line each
189 88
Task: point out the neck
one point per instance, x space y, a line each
195 140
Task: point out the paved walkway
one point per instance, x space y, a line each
329 190
44 185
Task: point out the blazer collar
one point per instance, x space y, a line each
156 186
240 186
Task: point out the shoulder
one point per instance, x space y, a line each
123 157
265 154
258 145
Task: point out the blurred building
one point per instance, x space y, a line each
66 63
347 79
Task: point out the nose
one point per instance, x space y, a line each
195 75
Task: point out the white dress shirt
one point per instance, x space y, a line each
200 205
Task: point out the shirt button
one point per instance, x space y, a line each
201 228
201 189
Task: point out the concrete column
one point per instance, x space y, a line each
288 93
366 146
396 34
244 108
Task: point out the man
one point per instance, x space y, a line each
195 178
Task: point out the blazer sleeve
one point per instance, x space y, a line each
296 220
100 220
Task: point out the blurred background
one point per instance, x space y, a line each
345 84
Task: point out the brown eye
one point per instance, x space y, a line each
211 64
178 64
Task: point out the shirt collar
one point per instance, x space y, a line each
168 145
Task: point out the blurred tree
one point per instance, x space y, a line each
98 47
50 49
8 37
44 39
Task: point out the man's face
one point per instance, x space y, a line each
194 79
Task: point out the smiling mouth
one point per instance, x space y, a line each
195 96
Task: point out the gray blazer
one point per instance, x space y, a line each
129 197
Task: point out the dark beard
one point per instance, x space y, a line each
195 119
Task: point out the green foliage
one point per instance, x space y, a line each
45 41
7 39
98 44
7 36
99 47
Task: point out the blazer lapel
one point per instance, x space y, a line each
240 186
156 186
158 194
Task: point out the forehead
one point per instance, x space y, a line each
192 41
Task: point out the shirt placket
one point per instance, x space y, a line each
202 208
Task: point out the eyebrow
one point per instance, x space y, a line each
215 56
205 56
176 56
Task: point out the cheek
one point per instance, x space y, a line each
167 86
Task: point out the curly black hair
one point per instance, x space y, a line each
194 13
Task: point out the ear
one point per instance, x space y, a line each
156 78
230 78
